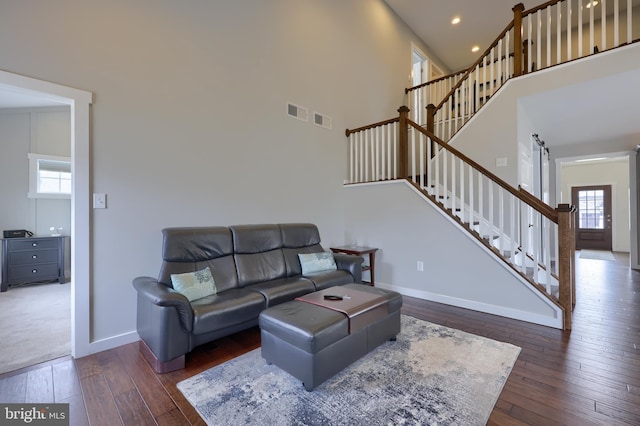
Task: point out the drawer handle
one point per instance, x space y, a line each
34 271
34 256
34 244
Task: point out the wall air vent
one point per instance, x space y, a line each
322 120
297 111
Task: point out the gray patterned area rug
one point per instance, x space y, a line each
431 375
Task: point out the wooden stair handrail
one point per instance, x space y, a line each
540 7
407 90
521 194
372 126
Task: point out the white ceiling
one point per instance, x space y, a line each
15 97
481 22
600 110
565 116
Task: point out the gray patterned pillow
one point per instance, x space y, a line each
194 285
316 262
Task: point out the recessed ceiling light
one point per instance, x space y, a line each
592 4
455 20
475 48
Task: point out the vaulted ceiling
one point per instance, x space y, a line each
480 23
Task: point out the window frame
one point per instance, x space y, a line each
34 161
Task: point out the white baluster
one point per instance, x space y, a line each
471 192
616 23
629 12
395 150
462 166
413 155
454 195
549 35
558 33
422 142
513 219
436 177
491 218
429 164
591 25
603 25
501 220
539 39
568 14
580 11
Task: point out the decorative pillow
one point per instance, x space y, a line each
316 262
194 285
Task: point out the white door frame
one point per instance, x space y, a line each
79 102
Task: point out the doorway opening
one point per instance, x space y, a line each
28 89
593 216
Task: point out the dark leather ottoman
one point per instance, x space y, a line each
313 343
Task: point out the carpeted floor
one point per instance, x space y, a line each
36 324
597 255
430 375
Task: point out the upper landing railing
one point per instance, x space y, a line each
550 34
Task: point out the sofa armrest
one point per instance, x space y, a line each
351 264
161 295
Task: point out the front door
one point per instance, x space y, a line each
593 216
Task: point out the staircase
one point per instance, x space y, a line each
529 237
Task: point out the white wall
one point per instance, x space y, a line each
35 130
407 229
614 173
188 123
506 122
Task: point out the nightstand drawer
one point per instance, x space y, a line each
33 273
33 243
32 257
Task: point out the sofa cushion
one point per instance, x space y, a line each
316 262
194 285
298 238
258 253
195 248
326 279
226 309
282 290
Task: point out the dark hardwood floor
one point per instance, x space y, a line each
590 375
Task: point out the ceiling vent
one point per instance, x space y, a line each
297 111
322 120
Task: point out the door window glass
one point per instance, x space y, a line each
591 209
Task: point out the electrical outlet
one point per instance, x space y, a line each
420 266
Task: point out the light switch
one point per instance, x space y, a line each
99 201
501 162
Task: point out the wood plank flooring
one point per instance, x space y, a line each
589 376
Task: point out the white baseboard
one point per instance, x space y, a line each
555 322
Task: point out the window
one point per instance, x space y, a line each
49 176
591 209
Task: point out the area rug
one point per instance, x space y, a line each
36 324
597 255
431 375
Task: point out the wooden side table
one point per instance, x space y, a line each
361 251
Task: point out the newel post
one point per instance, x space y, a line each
403 141
566 261
517 39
